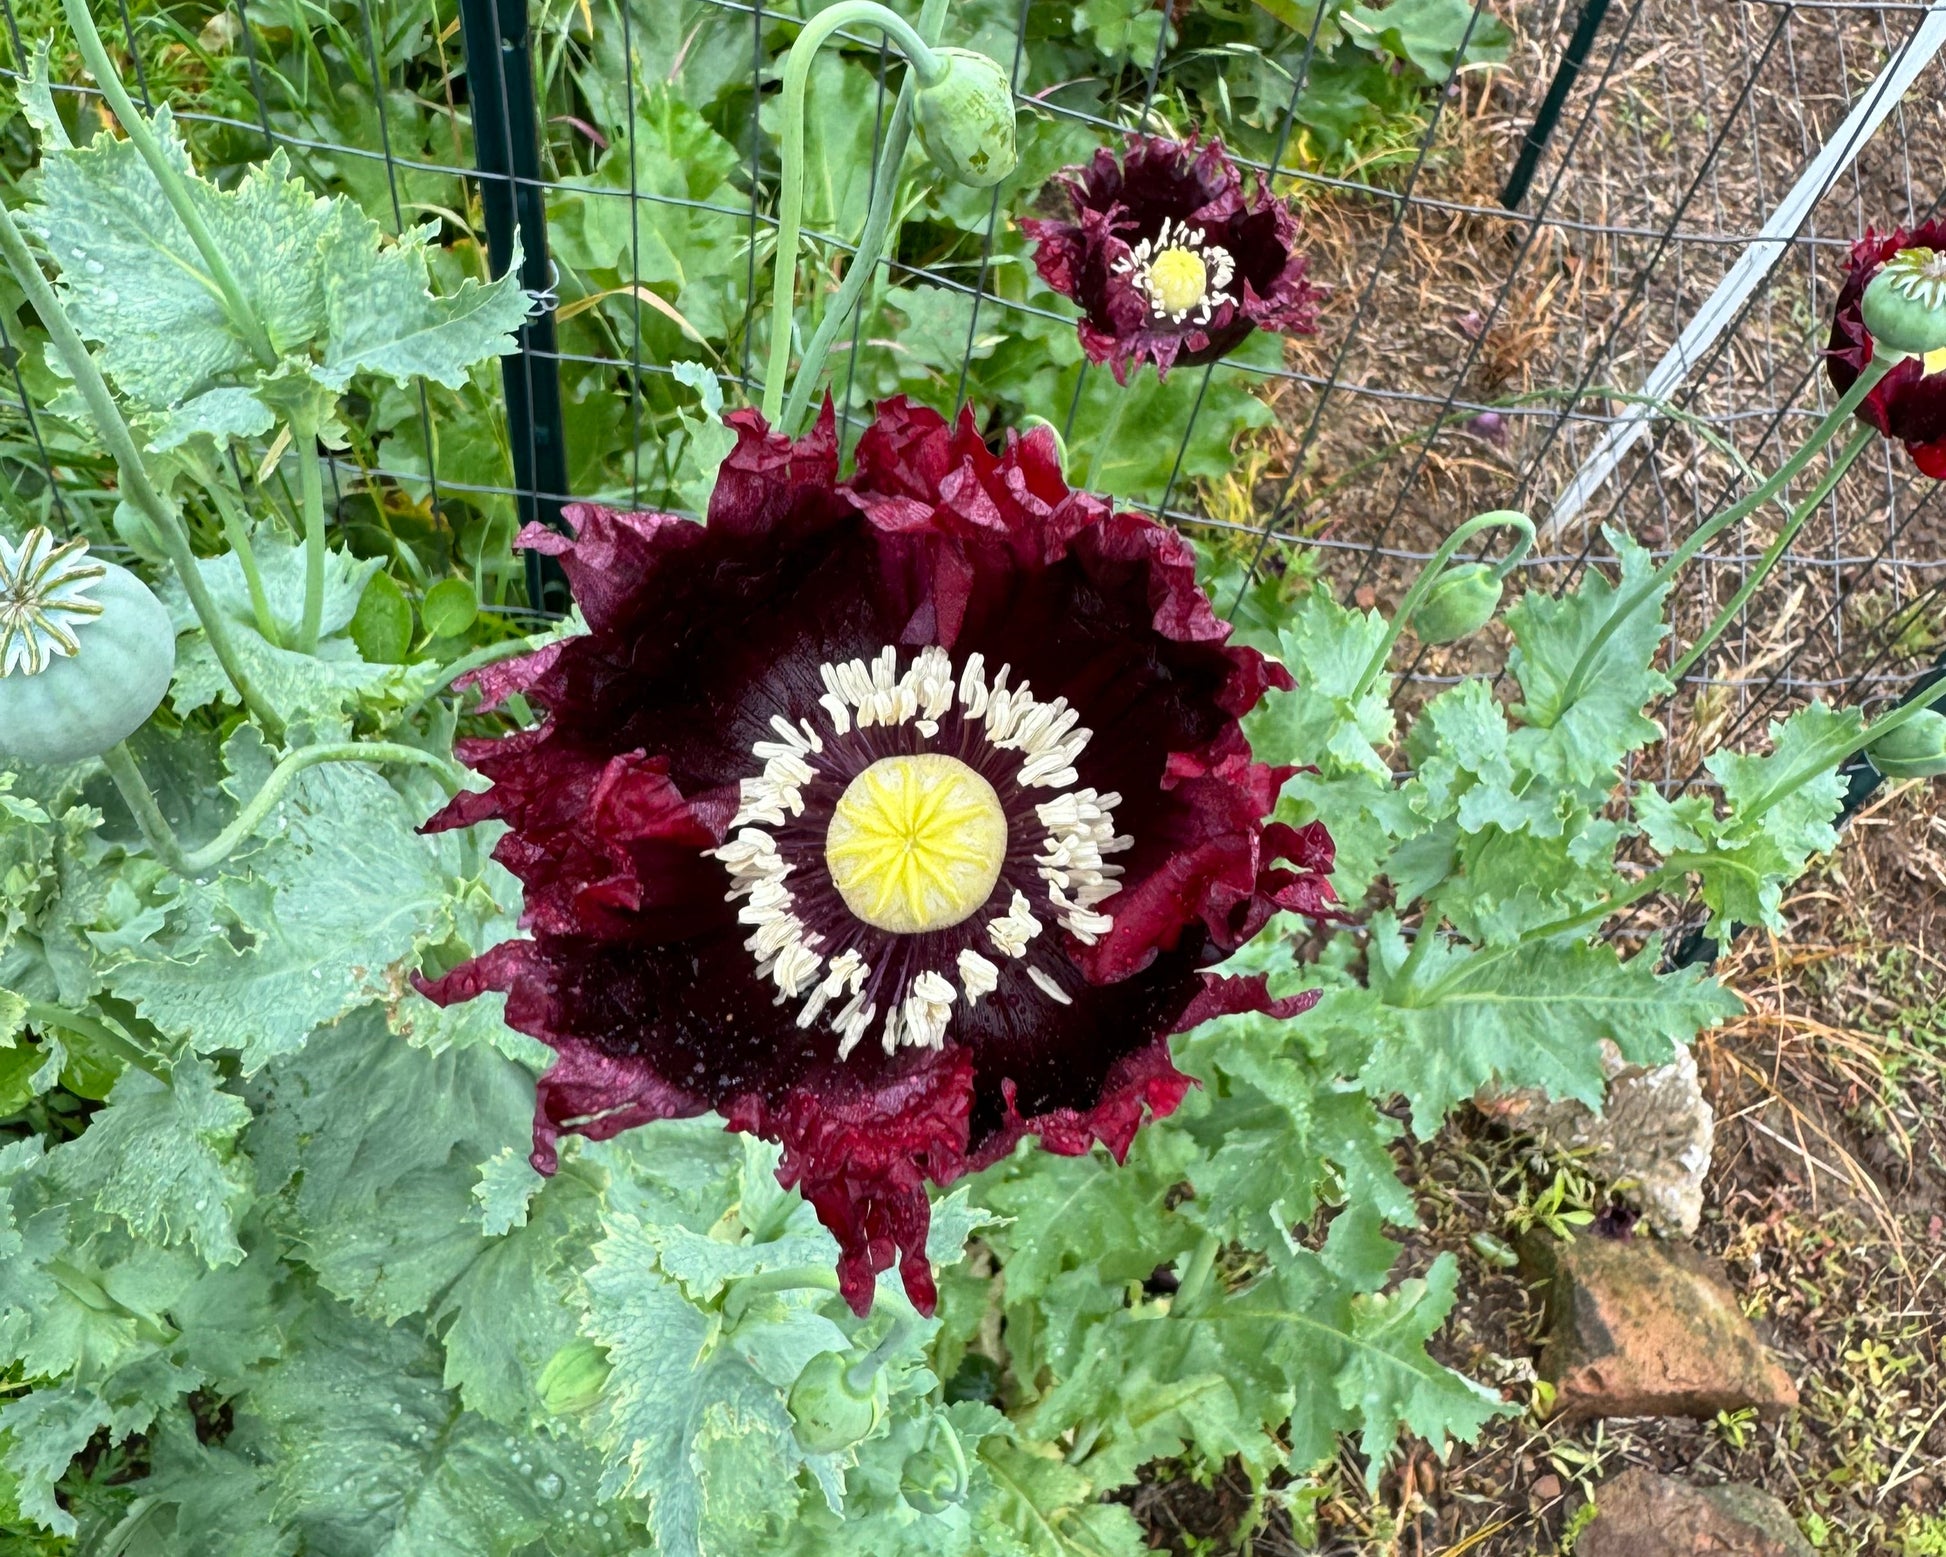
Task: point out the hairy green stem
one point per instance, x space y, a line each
236 530
860 1374
1106 436
310 487
873 242
1196 1273
42 1015
790 212
161 837
1800 515
1704 533
243 318
170 533
1832 752
1499 518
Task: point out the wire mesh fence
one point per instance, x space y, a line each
1620 345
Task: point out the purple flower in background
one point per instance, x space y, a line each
1170 259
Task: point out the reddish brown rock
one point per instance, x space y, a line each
1641 1514
1638 1327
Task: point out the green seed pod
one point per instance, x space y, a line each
830 1414
1904 305
933 1478
1917 749
1458 605
574 1378
966 119
86 651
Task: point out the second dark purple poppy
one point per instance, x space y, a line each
1170 259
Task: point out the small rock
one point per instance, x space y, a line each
1653 1140
1546 1490
1645 1328
1364 597
1641 1514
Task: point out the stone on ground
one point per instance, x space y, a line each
1638 1327
1652 1141
1641 1514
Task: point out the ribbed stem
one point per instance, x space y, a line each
310 488
790 209
872 242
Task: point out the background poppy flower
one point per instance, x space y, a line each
1168 258
1908 403
894 818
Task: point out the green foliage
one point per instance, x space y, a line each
275 1274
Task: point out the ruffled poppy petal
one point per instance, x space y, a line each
638 971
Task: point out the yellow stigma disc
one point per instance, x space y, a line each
1179 279
916 843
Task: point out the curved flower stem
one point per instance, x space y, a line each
161 837
1799 516
1703 534
242 316
1499 518
164 521
790 214
860 1374
310 487
872 242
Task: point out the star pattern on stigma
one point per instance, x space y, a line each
895 818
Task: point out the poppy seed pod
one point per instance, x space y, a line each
1904 305
1909 403
86 651
966 119
1458 605
1916 749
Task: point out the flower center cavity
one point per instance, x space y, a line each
1180 273
916 843
907 840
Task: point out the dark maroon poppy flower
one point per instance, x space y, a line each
1909 403
1168 258
894 818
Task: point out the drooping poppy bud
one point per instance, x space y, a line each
830 1410
1916 749
966 119
1459 604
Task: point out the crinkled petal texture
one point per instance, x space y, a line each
636 970
1908 404
1155 189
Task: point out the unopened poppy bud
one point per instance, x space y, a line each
830 1412
933 1479
1904 305
574 1378
1916 749
966 119
1458 605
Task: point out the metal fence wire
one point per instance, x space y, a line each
1592 281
